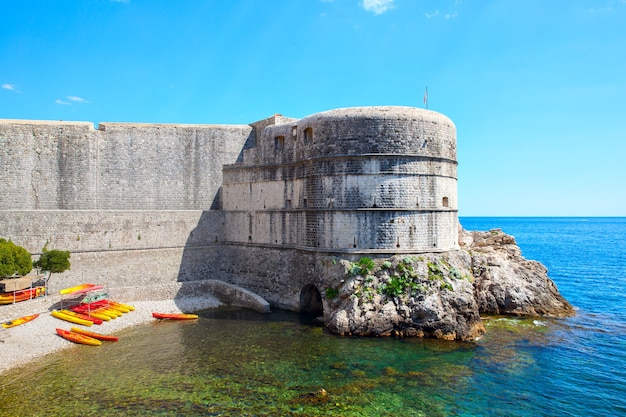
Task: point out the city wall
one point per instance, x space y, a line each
125 199
270 206
119 166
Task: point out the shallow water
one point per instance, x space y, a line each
236 362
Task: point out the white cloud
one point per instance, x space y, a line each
77 99
377 6
70 100
438 13
10 87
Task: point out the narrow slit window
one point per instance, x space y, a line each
279 143
445 202
308 134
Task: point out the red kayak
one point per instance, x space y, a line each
174 316
90 306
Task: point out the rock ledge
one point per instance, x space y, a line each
442 295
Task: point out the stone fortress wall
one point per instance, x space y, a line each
264 205
119 166
124 199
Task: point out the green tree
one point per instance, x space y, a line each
53 261
14 259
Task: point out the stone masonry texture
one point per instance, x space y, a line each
264 206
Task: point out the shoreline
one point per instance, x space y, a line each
33 340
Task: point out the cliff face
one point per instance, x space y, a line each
442 295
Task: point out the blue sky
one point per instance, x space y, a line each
536 88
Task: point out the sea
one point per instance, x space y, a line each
235 362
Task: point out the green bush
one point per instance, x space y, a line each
455 273
14 259
403 283
394 288
434 272
331 293
363 267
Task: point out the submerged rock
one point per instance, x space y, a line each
442 295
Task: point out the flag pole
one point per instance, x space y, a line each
426 97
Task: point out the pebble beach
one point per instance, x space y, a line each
29 341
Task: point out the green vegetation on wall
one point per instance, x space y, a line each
398 278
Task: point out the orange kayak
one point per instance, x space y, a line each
22 295
78 338
19 321
174 316
95 335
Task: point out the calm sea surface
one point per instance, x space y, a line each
240 363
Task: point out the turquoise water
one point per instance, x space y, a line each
240 363
583 363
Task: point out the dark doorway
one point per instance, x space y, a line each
311 301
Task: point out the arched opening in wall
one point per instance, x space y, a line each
445 202
311 301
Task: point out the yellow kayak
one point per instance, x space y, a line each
60 315
108 312
98 336
19 321
94 320
118 309
174 316
121 306
97 315
75 288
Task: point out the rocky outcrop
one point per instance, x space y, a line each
506 282
442 295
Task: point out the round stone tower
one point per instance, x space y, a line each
364 179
